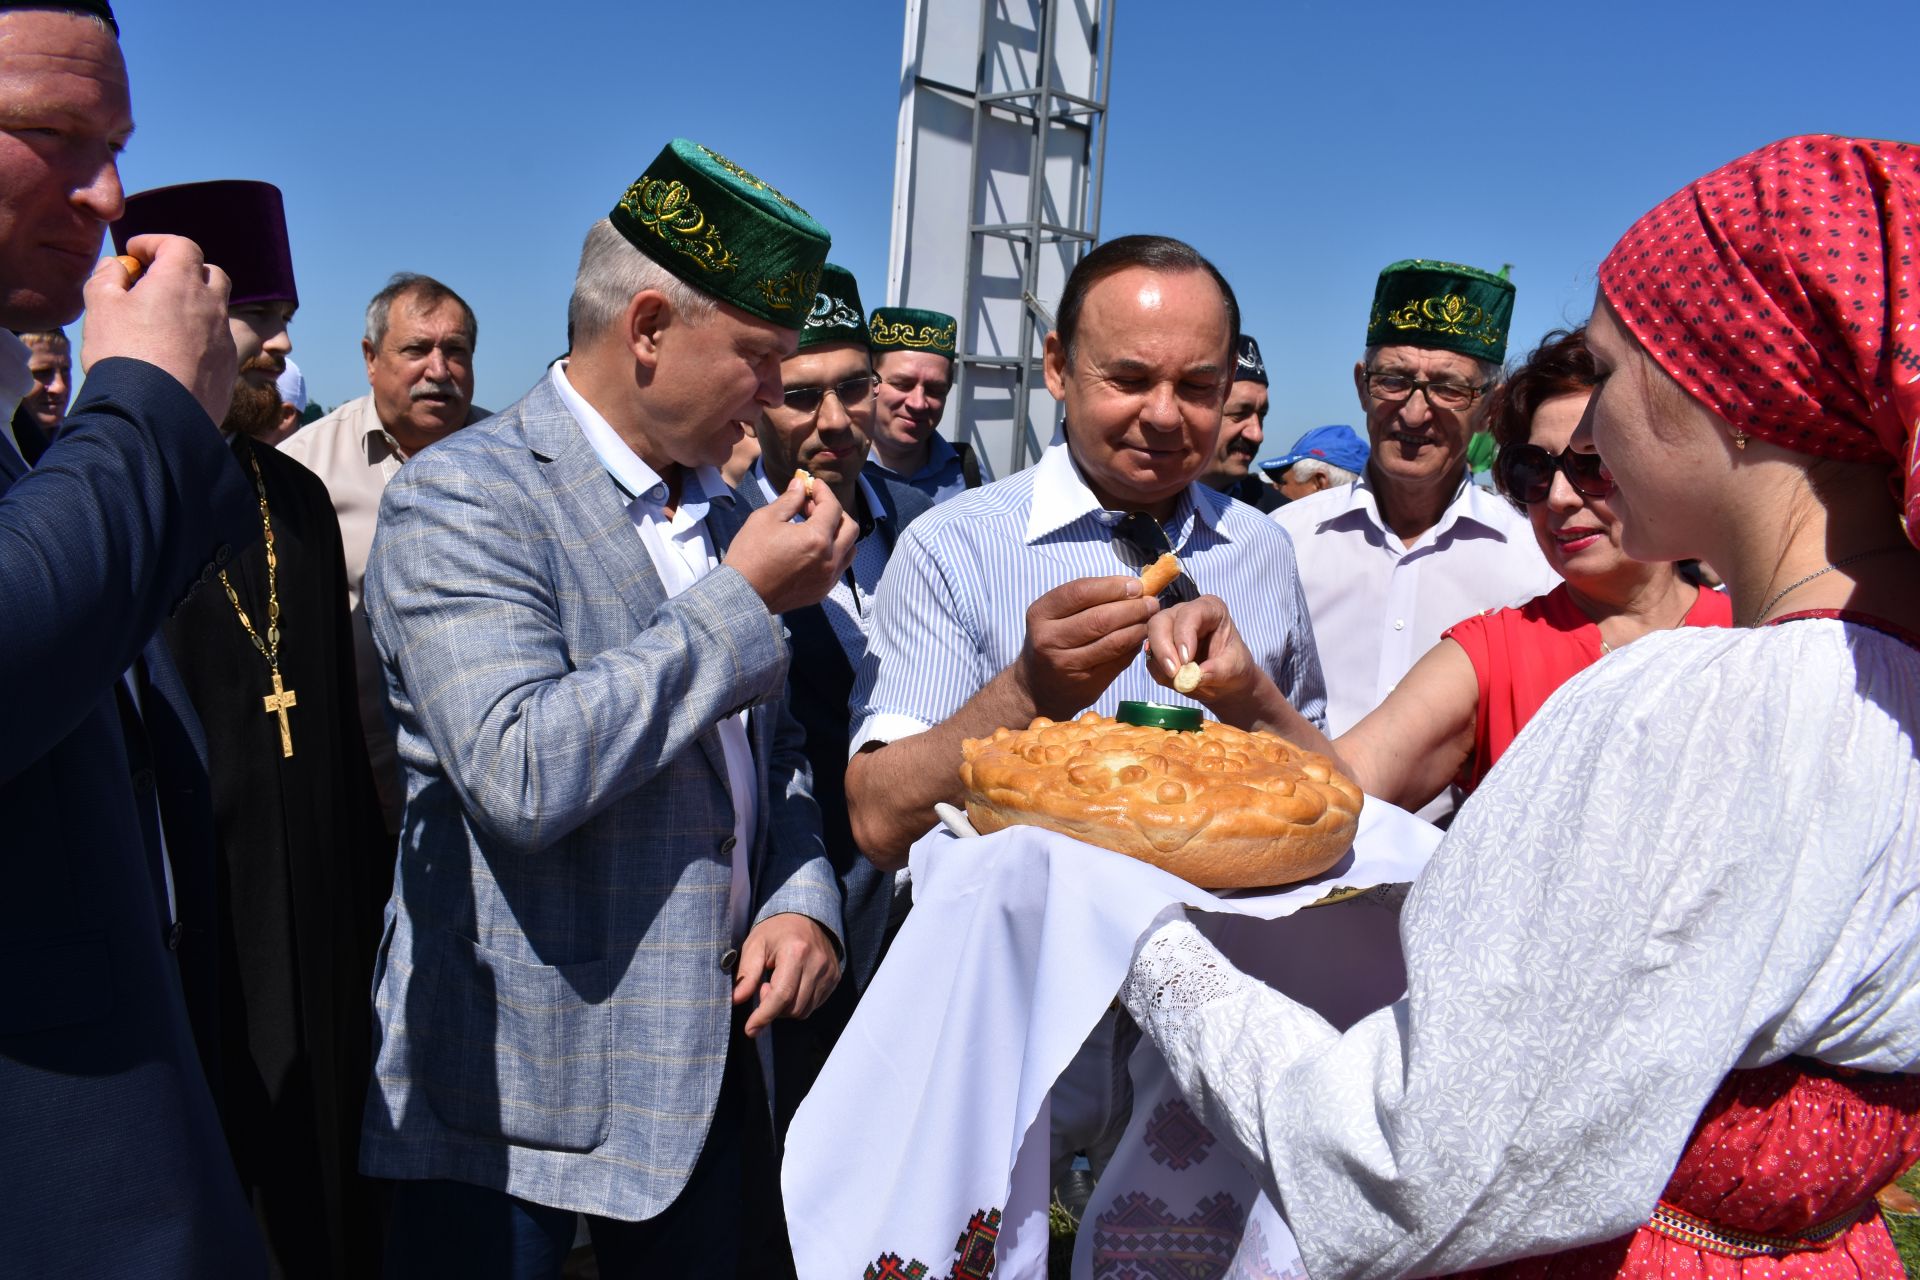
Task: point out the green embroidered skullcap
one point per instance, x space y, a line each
725 232
1419 303
912 329
837 315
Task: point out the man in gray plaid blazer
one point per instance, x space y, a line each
611 871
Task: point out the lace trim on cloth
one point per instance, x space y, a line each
1176 970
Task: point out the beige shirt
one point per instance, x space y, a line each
354 456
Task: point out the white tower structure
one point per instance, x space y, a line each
996 195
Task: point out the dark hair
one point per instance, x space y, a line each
426 294
1155 253
1560 366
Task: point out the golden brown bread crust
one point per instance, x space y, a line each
1159 575
1222 808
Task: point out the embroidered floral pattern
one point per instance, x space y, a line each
1449 314
667 209
901 333
785 292
756 183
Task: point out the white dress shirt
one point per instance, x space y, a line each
849 606
1378 604
682 553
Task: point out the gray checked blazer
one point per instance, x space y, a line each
552 983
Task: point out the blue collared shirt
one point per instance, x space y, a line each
952 608
941 478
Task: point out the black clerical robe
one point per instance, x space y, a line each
304 871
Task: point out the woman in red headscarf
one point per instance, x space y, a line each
1663 1007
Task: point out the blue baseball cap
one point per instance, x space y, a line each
1337 446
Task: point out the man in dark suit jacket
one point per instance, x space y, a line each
110 1149
824 426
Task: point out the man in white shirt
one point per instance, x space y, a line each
611 879
1391 560
419 352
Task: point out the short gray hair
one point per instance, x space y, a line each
1307 468
426 292
611 272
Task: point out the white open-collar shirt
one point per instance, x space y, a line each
1378 604
682 552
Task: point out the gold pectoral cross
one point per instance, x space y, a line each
277 703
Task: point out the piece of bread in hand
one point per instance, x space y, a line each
1159 575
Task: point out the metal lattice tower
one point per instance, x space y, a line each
997 195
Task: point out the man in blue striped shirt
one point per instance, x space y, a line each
1022 598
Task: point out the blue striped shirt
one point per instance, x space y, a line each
951 612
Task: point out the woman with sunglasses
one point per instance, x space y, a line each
1454 713
1663 974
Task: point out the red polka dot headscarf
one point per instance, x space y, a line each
1783 292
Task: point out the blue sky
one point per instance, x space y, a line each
1300 145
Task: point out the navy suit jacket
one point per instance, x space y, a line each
110 1148
819 684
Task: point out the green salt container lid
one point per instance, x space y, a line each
1160 716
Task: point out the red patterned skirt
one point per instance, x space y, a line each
1776 1183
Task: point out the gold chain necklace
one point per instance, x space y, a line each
280 699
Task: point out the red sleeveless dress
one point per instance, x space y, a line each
1778 1180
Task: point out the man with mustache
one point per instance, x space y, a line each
913 353
266 655
1242 429
418 347
1396 557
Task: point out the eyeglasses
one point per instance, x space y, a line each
1525 472
849 393
1392 388
1139 541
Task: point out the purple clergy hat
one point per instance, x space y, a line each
240 226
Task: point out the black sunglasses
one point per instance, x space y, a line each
1525 472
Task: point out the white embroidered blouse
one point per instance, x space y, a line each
1702 854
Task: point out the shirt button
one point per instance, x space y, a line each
175 935
728 959
143 781
726 846
1399 624
657 494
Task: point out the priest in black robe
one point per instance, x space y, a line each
304 866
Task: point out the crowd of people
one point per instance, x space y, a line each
437 833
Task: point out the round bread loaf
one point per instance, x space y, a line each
1221 808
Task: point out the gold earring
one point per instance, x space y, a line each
1740 438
